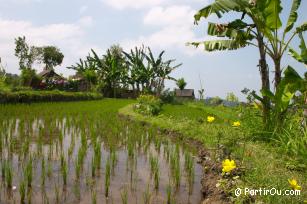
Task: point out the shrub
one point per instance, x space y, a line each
232 97
167 96
215 101
148 105
45 96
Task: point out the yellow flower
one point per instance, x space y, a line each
236 124
228 165
294 185
210 119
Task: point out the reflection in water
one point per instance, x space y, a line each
95 157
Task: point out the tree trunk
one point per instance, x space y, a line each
265 79
277 72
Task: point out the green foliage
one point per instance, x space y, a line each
51 56
27 55
2 78
181 83
300 57
168 96
45 96
29 77
264 30
290 84
214 101
232 97
148 105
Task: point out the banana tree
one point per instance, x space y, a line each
110 69
139 73
302 57
263 32
87 69
161 71
288 86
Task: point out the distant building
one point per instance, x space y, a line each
50 75
185 93
51 80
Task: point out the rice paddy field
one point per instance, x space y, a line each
83 152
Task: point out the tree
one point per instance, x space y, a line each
51 56
181 83
262 33
27 55
87 69
111 69
239 35
148 71
137 68
160 71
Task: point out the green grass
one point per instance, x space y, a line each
265 163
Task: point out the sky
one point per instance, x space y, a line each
76 26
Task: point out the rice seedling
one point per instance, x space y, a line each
169 194
113 160
77 169
57 193
3 168
43 171
49 169
124 196
156 178
29 195
8 175
189 168
29 172
107 178
147 195
94 196
71 147
22 192
93 167
97 155
64 169
76 190
175 167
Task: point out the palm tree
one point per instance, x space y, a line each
181 83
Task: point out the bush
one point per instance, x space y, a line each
45 96
168 96
148 105
215 101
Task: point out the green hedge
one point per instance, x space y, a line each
46 96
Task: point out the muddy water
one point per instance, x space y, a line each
51 145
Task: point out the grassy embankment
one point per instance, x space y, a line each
266 164
46 96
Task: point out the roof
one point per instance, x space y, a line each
47 73
184 92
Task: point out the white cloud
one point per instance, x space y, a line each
173 15
175 29
134 4
68 37
86 21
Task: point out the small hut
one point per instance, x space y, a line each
185 93
50 75
50 79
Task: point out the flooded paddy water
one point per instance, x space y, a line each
84 153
